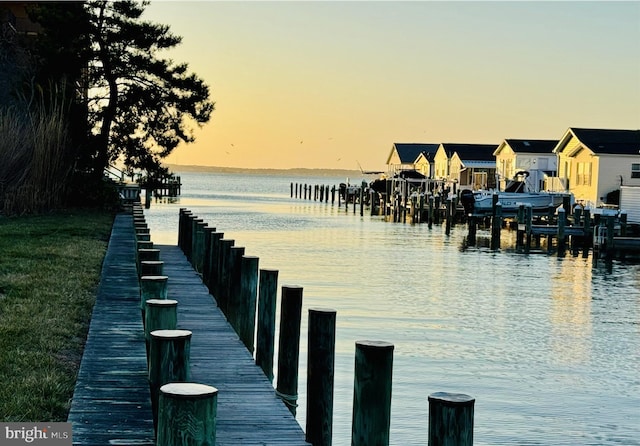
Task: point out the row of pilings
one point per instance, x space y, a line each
399 208
247 296
562 230
184 412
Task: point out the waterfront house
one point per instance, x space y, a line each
532 155
470 166
411 156
594 163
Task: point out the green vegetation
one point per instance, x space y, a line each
49 270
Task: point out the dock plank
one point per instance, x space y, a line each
111 402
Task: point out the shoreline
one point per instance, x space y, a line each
297 171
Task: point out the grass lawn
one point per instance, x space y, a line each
49 271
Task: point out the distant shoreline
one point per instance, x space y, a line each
292 172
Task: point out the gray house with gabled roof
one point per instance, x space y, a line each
532 155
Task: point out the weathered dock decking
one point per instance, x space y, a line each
111 403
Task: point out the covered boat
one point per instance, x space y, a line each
518 192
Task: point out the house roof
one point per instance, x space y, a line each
603 141
476 152
409 152
479 164
532 145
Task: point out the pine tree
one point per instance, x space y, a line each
140 106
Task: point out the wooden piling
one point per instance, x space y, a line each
142 230
473 227
447 230
373 209
610 223
144 244
246 316
188 241
194 240
623 223
266 325
431 201
152 287
528 218
199 246
496 226
223 273
151 267
321 345
181 214
160 314
521 229
188 413
450 419
372 393
143 237
213 261
185 233
588 232
206 254
147 254
169 352
289 346
233 284
562 243
147 197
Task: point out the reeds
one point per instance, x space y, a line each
35 155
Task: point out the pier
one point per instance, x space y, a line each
605 233
111 403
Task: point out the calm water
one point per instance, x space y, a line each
548 347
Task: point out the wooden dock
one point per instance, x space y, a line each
111 403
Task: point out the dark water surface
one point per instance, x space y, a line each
549 347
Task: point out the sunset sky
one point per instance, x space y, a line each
330 84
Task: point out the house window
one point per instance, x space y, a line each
583 177
635 170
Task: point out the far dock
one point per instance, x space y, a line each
605 232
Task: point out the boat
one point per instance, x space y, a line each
517 192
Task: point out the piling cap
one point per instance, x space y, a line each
188 390
171 334
451 399
374 345
322 310
161 302
154 278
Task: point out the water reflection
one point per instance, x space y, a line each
570 313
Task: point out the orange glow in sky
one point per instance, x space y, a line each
328 84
